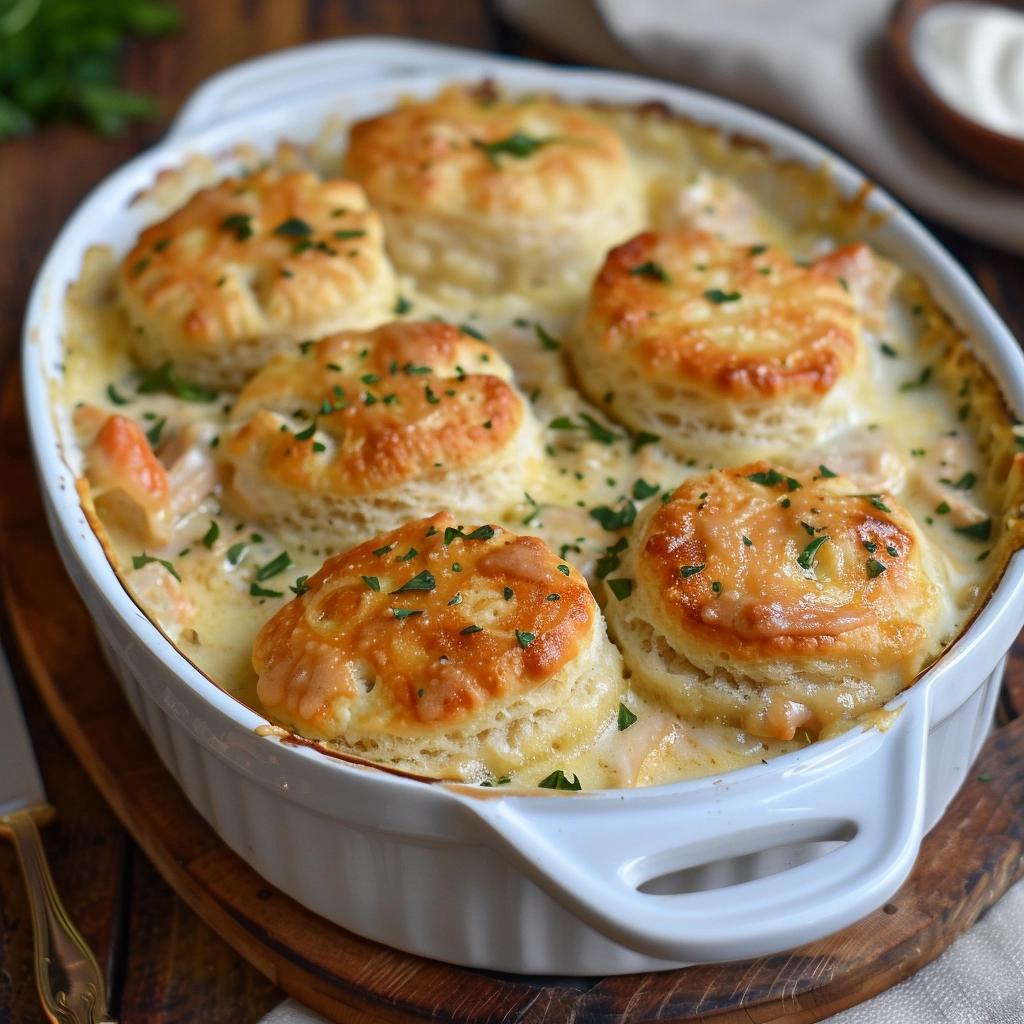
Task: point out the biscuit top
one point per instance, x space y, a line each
738 322
359 412
469 151
252 253
422 628
759 563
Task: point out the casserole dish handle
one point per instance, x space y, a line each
738 869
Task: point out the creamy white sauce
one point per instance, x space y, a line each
972 55
891 434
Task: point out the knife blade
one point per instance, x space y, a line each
20 784
69 980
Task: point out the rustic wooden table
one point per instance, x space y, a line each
163 964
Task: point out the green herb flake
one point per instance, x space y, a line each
558 780
918 382
524 639
825 472
642 489
470 630
564 570
347 233
686 571
240 224
546 341
406 613
154 432
373 583
614 519
874 568
806 557
457 599
410 554
276 565
651 269
976 531
164 379
621 588
747 541
717 296
211 535
518 145
421 581
255 590
625 718
138 561
300 586
293 227
943 508
643 438
236 552
116 397
888 350
402 306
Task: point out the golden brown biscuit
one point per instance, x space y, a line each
364 430
776 600
251 266
447 651
715 346
491 193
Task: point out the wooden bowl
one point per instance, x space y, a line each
998 155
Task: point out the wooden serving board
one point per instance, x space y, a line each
966 863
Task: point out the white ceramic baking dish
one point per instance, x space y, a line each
594 883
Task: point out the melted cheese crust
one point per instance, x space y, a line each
740 322
250 264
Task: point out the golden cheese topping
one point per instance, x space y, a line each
743 322
780 571
376 409
467 151
250 265
422 628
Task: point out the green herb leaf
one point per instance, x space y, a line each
300 586
373 583
653 270
116 397
406 613
518 145
402 306
293 227
621 588
524 639
236 551
421 581
276 565
976 531
557 780
154 432
410 554
164 379
686 571
240 223
806 558
255 590
919 382
717 296
211 535
643 438
346 233
826 472
545 339
875 568
614 519
642 489
626 718
138 561
470 630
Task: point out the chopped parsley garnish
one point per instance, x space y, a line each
518 145
410 554
236 551
888 350
470 630
346 233
598 431
382 551
642 489
115 396
406 613
686 571
756 250
892 550
965 483
976 531
421 581
154 432
372 582
875 568
307 433
808 528
942 509
432 398
564 570
643 438
621 588
806 557
545 339
772 477
716 587
165 379
293 227
826 472
747 542
274 566
255 590
138 561
457 599
614 519
524 639
870 546
402 306
557 780
211 535
653 270
876 501
610 560
473 332
504 780
300 586
240 223
919 382
717 296
626 718
508 593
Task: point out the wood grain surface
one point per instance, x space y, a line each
164 964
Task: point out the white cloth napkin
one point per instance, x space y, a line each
978 980
819 64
